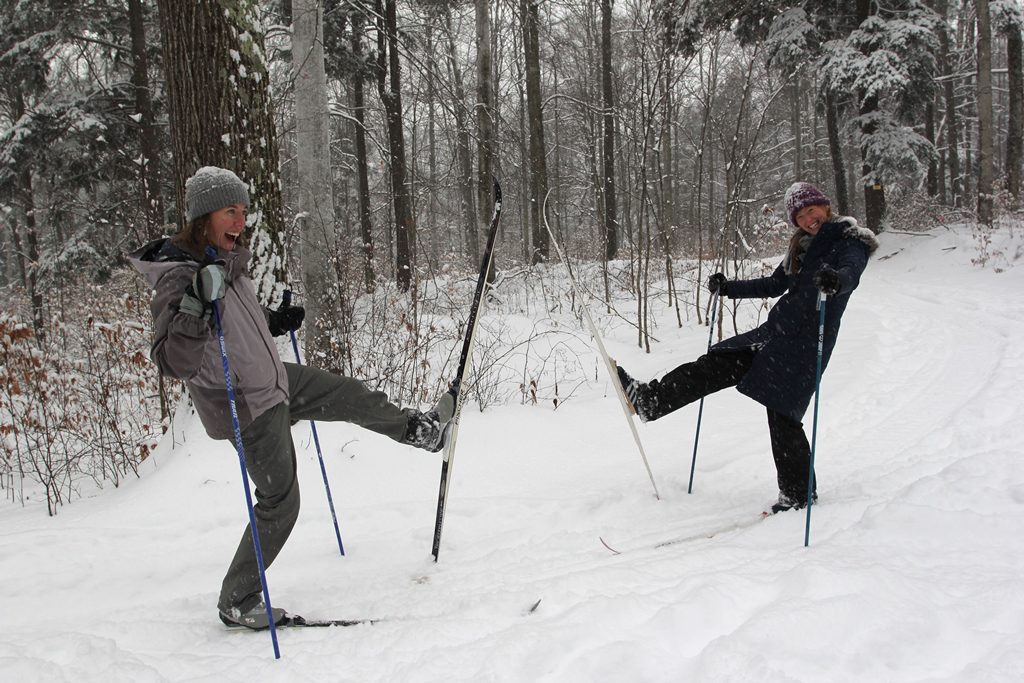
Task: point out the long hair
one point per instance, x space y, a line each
793 253
192 238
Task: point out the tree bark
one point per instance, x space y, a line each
390 85
874 192
952 135
32 262
152 194
1015 118
485 112
611 231
218 98
362 171
984 95
538 161
318 242
835 148
932 181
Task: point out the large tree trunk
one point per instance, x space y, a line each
611 231
1015 119
390 88
318 242
218 99
984 90
538 161
152 194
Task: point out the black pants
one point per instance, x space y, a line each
716 371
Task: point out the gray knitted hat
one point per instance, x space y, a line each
800 196
213 188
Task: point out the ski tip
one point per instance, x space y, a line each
614 551
534 606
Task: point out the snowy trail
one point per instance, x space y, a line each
913 573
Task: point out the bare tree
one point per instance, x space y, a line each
984 90
362 169
389 86
1012 28
152 195
485 112
462 142
538 169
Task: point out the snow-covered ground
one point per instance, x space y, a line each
915 571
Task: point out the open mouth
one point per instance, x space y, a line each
232 237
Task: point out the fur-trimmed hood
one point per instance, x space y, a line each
854 231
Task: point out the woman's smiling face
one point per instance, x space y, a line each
225 226
811 218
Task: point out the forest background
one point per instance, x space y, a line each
655 137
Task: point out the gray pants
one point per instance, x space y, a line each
270 461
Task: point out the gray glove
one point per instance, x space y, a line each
208 285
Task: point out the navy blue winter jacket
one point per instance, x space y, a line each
782 375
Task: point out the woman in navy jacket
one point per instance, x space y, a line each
775 363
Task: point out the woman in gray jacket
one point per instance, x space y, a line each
269 395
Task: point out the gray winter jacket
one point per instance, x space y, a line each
186 347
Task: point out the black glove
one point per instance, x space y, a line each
285 319
827 280
208 285
717 283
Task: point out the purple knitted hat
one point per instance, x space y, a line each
800 196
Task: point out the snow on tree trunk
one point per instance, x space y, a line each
318 241
218 98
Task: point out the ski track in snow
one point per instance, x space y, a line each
913 573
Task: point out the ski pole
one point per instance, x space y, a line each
814 429
212 254
286 300
700 410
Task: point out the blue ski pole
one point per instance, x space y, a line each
814 429
700 410
286 300
212 254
